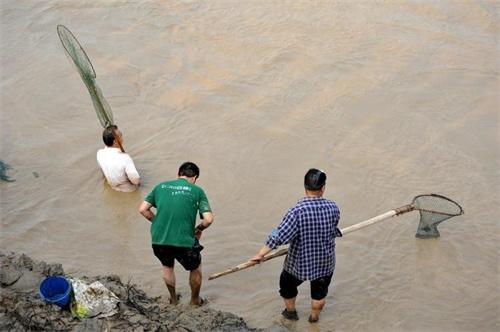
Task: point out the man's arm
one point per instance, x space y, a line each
131 171
285 232
206 220
261 254
145 210
135 181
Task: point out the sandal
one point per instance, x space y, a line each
291 315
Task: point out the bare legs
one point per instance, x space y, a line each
169 278
288 291
290 313
290 304
316 307
195 284
195 278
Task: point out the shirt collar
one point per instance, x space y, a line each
305 198
182 179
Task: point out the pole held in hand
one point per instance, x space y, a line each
433 210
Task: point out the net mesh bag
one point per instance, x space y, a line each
434 209
80 59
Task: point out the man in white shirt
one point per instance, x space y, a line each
117 166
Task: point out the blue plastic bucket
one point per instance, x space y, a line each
56 290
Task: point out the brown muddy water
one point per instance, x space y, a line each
391 98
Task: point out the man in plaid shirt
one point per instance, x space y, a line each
310 227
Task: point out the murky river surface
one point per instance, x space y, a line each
391 98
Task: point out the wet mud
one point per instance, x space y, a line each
22 309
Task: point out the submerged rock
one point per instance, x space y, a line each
21 307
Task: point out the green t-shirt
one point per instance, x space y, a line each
177 203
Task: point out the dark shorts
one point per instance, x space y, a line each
189 258
289 284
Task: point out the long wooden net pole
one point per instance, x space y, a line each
349 229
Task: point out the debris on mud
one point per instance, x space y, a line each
21 307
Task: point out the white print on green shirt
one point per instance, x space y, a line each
180 192
164 186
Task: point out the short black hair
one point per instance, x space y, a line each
107 135
189 170
314 179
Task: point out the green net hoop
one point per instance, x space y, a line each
84 67
434 209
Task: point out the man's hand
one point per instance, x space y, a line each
207 218
260 255
135 181
257 258
199 230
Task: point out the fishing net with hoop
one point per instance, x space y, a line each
78 56
434 209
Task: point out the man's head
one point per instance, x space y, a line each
314 180
189 170
108 135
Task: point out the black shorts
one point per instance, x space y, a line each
189 258
289 284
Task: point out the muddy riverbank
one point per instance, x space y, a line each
21 307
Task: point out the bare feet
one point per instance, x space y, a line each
313 319
198 302
175 300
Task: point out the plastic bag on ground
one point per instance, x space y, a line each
92 300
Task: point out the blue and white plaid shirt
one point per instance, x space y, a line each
310 227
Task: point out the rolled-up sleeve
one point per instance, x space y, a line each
285 232
130 169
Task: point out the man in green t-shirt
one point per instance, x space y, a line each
173 232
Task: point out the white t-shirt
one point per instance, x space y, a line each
118 168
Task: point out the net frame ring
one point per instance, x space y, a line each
427 228
65 34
